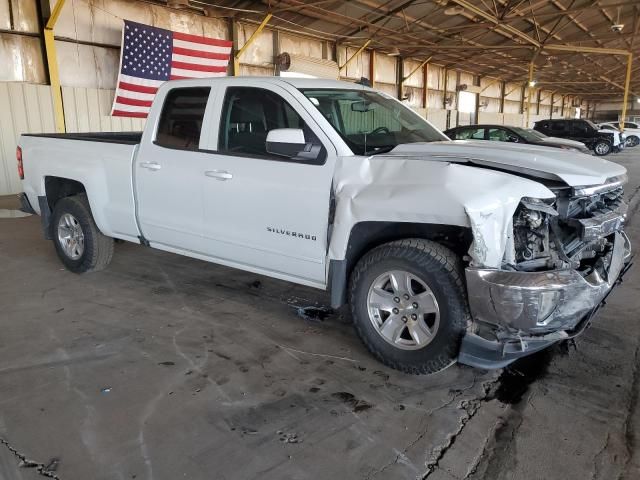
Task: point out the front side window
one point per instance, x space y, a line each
630 125
248 115
498 135
370 122
181 118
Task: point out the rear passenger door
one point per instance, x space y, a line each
168 172
265 212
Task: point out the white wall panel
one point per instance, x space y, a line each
24 108
87 110
359 66
20 59
438 117
303 46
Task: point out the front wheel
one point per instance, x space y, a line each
79 243
409 306
632 141
602 148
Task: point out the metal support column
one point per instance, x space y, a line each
52 63
627 81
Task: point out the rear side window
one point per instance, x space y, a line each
181 118
558 127
470 134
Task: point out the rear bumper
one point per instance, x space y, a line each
25 204
529 311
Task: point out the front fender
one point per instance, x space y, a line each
429 192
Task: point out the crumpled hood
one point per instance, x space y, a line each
573 168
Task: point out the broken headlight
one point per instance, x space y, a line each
531 246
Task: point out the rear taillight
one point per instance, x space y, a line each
19 159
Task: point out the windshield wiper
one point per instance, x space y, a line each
378 150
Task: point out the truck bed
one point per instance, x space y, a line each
126 138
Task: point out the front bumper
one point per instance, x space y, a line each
528 311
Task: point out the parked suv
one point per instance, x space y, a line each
602 142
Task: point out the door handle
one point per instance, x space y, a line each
150 165
221 175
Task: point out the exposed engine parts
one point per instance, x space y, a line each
572 232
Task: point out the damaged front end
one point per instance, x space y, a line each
561 259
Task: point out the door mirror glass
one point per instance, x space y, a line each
290 143
513 138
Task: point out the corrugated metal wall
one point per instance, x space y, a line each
25 108
29 109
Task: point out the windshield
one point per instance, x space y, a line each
528 134
370 122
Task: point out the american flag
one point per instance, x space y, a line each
150 56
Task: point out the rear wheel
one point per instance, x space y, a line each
409 305
632 141
79 244
602 148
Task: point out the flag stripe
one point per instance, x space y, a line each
201 47
178 72
133 101
141 81
137 95
199 53
137 88
197 67
204 40
124 113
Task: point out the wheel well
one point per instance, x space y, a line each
366 236
57 188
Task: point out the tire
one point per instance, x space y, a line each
427 264
632 141
602 147
72 224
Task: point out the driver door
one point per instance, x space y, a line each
265 212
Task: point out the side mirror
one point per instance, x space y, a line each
290 143
512 138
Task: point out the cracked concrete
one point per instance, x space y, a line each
45 470
163 367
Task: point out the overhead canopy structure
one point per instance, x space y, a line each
579 47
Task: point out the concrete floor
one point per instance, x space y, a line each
165 367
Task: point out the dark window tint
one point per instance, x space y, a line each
181 118
558 127
470 134
499 135
580 128
630 125
249 114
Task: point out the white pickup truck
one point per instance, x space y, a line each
445 251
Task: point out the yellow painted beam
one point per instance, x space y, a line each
358 52
627 81
52 63
254 35
417 68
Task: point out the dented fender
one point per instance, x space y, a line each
420 190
